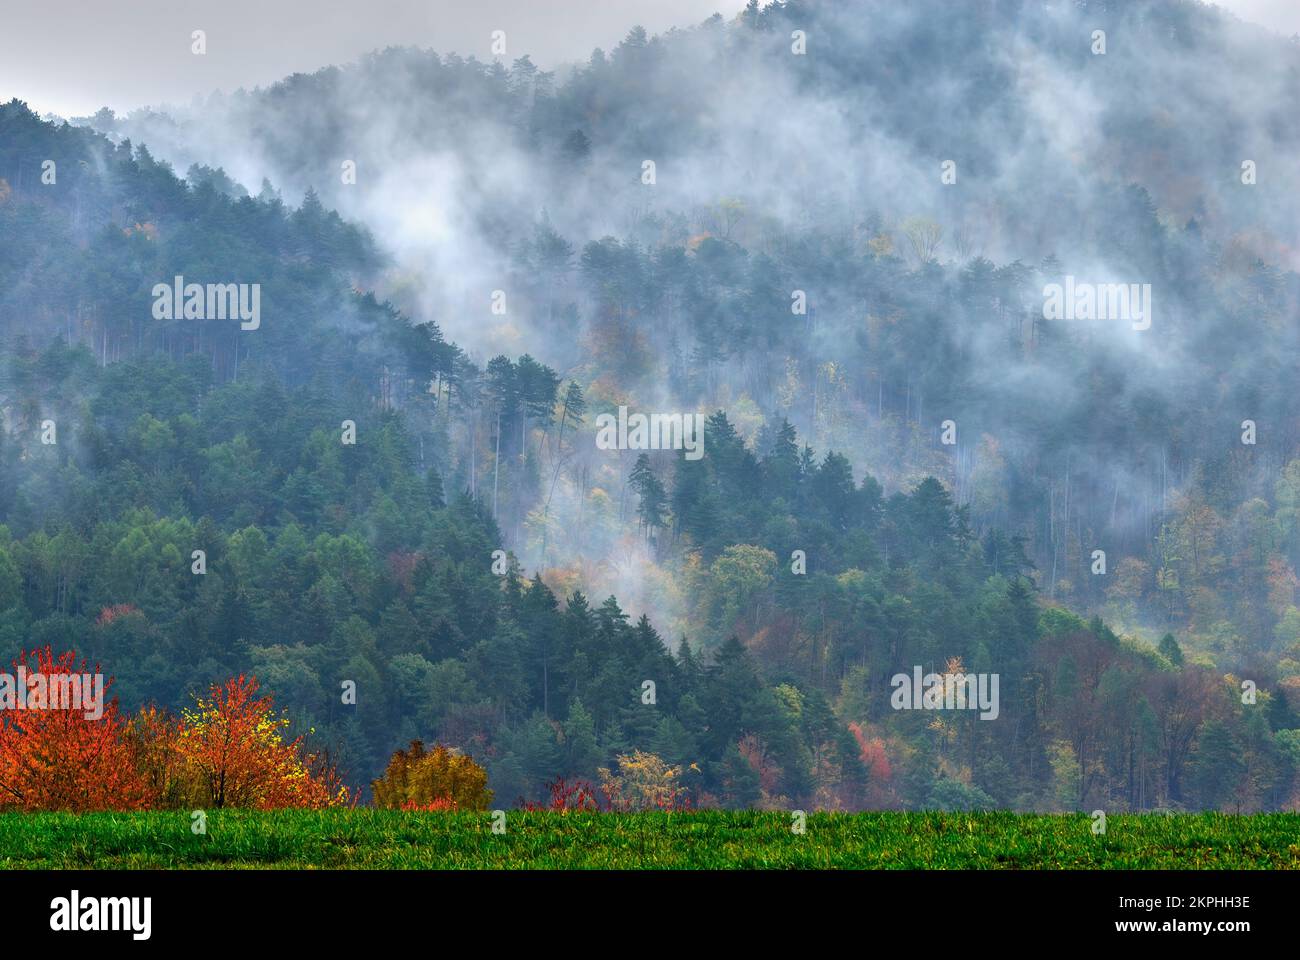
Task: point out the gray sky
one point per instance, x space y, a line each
74 56
91 52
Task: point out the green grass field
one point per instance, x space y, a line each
705 840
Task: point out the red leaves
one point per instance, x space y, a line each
872 751
233 741
756 753
58 754
108 614
579 795
55 758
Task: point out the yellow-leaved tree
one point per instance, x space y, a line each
440 779
643 781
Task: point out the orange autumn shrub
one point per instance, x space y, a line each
60 756
232 746
152 737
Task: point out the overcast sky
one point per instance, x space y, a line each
73 56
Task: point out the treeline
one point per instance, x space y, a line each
327 565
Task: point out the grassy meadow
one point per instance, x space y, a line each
714 839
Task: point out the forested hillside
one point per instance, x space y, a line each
821 174
829 537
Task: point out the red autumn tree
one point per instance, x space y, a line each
871 750
56 757
118 610
56 754
233 742
566 796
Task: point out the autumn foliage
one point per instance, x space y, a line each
440 779
566 795
232 743
114 612
643 781
640 781
60 760
228 751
